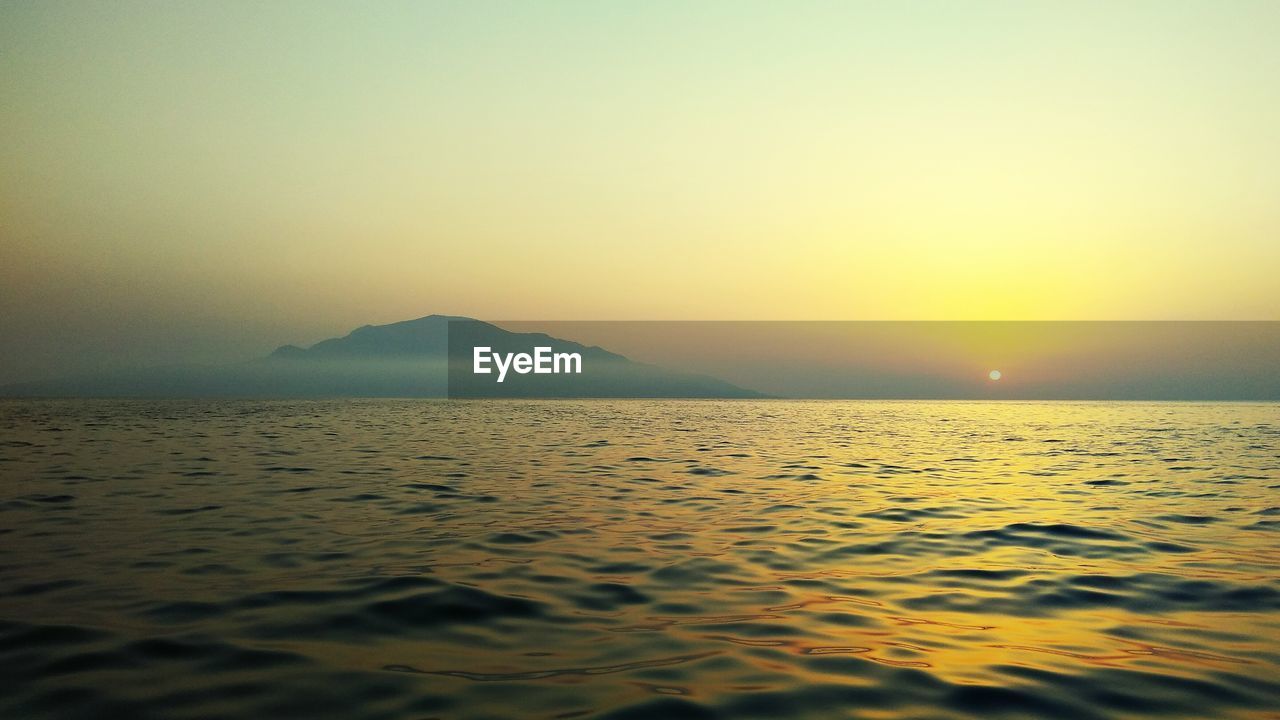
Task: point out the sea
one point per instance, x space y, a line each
638 559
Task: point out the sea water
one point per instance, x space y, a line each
655 559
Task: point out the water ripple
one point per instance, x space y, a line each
636 559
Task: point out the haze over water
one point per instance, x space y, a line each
555 559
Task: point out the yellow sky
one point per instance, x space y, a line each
235 175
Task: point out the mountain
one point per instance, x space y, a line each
413 358
425 337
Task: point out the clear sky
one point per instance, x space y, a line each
204 181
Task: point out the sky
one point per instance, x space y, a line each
185 181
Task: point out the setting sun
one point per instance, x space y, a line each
994 374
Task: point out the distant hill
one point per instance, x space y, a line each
403 359
425 337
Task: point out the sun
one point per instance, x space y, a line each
994 374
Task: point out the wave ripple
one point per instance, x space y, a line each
636 559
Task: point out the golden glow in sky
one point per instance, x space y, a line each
225 177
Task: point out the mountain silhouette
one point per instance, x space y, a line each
426 336
403 359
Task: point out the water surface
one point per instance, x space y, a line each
545 559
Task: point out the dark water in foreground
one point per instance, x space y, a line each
409 559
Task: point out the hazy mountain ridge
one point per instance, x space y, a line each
424 336
403 359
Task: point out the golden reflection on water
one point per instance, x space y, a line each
548 558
